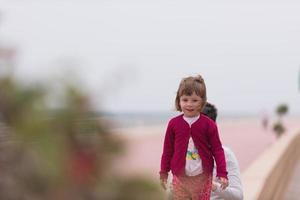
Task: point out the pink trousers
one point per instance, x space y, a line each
192 187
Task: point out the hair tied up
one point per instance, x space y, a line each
199 79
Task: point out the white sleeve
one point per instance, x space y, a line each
234 191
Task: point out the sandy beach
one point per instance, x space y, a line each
246 137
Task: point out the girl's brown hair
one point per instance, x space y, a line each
188 86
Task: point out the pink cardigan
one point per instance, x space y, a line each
206 139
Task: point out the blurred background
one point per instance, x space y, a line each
81 78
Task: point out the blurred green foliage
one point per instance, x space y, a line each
282 109
278 126
59 154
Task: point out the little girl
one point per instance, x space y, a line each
191 144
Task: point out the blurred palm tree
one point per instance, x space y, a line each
282 109
278 127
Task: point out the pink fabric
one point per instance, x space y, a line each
204 133
192 187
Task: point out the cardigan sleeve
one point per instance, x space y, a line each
217 150
168 150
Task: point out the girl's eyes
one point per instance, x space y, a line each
193 100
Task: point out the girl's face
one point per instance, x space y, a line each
190 105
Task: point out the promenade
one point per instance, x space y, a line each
246 137
274 174
293 192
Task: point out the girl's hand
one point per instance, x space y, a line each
224 182
163 183
214 185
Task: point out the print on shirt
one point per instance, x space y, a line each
192 155
193 165
192 152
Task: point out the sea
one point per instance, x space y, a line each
127 119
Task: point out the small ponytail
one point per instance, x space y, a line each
199 79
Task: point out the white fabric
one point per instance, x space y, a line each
193 165
235 190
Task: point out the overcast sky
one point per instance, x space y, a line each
131 55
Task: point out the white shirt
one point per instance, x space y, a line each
193 165
234 191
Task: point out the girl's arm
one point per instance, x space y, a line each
167 154
217 151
